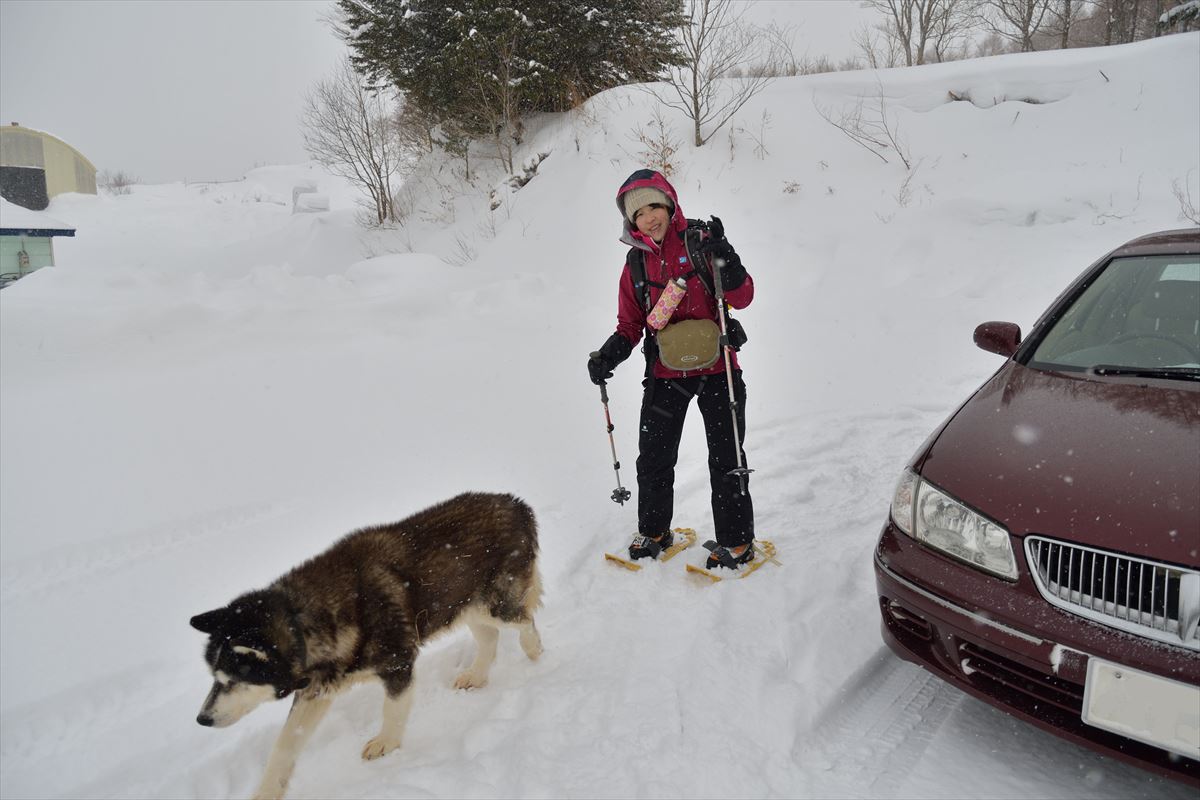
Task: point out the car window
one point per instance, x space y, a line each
1138 313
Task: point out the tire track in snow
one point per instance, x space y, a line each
876 729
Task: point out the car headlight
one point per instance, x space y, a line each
932 516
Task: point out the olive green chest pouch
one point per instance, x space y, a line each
689 344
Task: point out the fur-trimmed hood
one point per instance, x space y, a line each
655 180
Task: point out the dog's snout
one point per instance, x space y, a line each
205 720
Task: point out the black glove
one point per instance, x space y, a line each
726 259
599 370
602 362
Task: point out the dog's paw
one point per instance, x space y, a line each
469 680
269 793
379 746
532 645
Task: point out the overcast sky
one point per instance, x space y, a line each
206 89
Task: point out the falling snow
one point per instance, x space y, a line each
208 390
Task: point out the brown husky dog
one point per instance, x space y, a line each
361 610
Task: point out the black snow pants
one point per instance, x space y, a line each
664 406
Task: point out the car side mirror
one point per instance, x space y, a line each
998 337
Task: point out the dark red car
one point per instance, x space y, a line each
1043 547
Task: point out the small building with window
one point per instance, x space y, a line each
26 240
35 167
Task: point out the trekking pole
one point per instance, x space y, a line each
718 232
620 494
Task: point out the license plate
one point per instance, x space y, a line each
1141 706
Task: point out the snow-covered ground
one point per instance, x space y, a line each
209 389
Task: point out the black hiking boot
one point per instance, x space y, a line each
720 556
649 546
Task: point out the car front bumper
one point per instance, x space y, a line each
976 632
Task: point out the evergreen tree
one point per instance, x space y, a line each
481 66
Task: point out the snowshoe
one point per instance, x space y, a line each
644 546
668 546
721 556
759 553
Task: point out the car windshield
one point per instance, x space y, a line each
1140 316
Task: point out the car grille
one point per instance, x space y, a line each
1155 600
976 661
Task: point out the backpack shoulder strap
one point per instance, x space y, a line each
635 259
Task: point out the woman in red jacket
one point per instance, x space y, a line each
657 231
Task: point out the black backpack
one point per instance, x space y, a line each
635 259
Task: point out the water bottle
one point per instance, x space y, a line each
660 315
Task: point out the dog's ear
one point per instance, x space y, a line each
211 621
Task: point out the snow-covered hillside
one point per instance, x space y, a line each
209 389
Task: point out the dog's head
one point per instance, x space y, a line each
252 652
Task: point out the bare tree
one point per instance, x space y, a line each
992 44
659 144
1135 20
415 130
953 23
1063 16
349 128
871 127
1019 21
119 182
1105 22
879 49
920 29
1183 193
716 41
807 65
901 26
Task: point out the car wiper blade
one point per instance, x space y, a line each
1171 373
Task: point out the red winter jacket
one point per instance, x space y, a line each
663 263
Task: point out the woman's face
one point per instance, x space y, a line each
652 221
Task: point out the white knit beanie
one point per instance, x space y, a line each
643 196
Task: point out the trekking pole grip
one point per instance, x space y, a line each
603 384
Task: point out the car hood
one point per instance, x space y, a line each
1111 463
